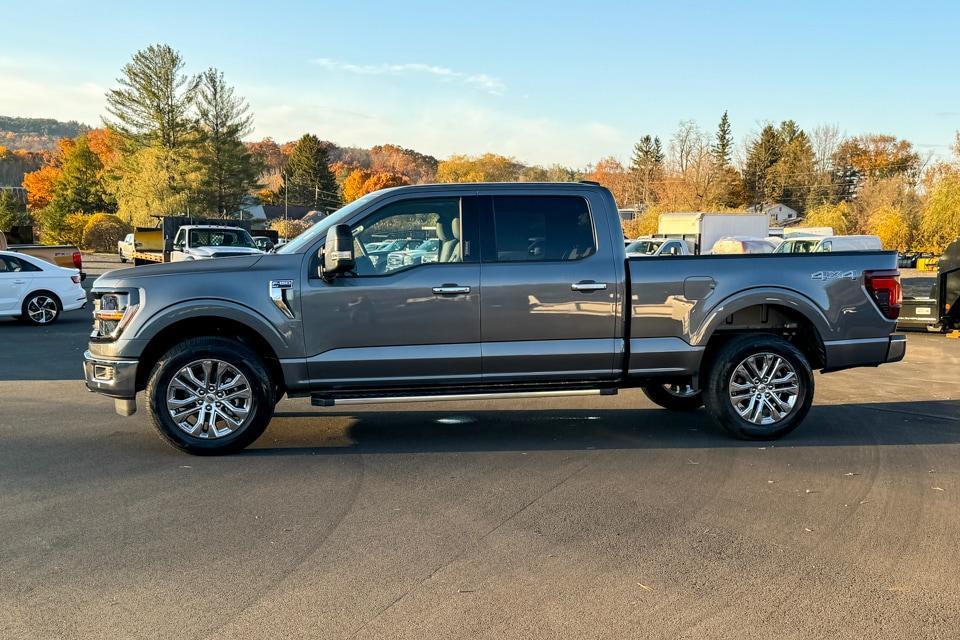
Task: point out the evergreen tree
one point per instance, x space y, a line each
762 154
152 105
722 147
308 180
645 165
13 213
230 169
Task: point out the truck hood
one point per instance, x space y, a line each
223 252
121 277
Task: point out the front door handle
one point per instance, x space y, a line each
450 289
588 285
19 282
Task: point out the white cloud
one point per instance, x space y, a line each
27 97
481 81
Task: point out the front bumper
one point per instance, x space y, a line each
111 377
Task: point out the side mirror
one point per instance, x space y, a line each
337 257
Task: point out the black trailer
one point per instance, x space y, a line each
940 310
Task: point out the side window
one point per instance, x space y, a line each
673 249
540 228
409 233
12 264
178 240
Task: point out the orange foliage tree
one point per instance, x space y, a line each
360 182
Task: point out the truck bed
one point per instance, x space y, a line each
676 303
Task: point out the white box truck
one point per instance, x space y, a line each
704 229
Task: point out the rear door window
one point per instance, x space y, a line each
540 229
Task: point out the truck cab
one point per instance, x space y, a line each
197 242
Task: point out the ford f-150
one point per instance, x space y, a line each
530 293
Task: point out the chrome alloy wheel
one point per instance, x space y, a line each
764 388
42 309
209 399
681 390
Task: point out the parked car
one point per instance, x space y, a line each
823 244
126 247
216 343
907 260
37 291
650 246
426 251
940 309
742 244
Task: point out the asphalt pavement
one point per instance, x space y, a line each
570 518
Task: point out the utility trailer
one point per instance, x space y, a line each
704 229
939 311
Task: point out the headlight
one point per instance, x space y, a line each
111 313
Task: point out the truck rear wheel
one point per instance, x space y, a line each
210 396
676 397
759 387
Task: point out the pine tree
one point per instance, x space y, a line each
308 180
722 147
646 165
231 171
152 104
13 213
762 153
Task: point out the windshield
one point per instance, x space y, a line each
221 238
315 232
644 247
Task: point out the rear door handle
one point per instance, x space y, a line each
19 282
450 289
587 285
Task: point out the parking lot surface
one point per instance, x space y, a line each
593 518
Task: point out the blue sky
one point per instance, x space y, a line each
545 82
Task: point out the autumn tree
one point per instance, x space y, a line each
837 216
230 169
41 185
878 157
489 167
361 182
80 188
941 221
309 181
390 158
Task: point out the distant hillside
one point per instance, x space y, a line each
36 134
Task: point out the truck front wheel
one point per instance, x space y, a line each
210 396
759 387
676 397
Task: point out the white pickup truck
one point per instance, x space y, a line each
192 242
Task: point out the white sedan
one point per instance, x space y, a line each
37 291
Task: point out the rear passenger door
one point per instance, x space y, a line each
548 295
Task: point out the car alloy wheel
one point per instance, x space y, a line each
42 309
209 399
764 388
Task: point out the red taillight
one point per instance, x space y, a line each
77 260
885 288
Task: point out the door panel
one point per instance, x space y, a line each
549 308
410 316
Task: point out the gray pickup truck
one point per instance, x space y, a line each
530 293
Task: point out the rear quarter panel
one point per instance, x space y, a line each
669 299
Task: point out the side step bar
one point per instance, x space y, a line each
331 401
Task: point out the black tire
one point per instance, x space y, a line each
233 353
660 395
723 365
122 259
45 299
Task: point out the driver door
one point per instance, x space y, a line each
396 322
